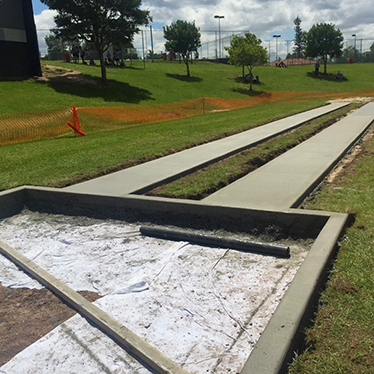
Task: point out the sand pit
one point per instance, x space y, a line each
204 308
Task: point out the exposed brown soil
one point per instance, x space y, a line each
26 315
57 73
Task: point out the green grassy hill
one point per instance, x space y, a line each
165 82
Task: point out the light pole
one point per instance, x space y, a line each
219 32
354 51
276 47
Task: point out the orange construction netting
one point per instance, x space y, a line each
132 115
26 127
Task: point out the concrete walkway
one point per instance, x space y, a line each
154 173
284 182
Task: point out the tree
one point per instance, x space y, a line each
101 22
324 41
247 51
299 38
372 49
349 53
182 37
54 43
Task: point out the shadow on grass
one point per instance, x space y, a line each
184 78
247 91
14 79
331 77
91 87
246 87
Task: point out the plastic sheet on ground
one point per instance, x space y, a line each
204 308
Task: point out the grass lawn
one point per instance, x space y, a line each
342 338
50 161
165 82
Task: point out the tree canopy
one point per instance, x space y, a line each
54 43
100 22
324 41
247 51
299 38
182 37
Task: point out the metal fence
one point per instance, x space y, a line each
214 43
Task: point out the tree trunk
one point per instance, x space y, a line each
103 68
250 80
187 65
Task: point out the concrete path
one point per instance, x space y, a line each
284 182
151 174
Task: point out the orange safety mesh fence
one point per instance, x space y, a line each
132 115
25 127
163 112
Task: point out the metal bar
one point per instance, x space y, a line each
215 241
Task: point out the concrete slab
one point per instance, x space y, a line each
284 182
151 174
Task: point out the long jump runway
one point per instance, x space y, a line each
153 173
284 182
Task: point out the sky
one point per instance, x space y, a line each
264 18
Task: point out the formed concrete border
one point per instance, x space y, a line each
163 211
284 333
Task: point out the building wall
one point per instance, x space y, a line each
19 51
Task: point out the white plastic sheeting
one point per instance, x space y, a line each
204 308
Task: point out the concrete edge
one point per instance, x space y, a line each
171 212
285 332
12 201
133 344
322 176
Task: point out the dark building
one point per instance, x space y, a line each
19 51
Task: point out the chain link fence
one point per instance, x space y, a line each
150 43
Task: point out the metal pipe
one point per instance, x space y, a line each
216 241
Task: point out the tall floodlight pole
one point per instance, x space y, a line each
153 52
269 53
354 51
216 45
219 33
276 46
143 49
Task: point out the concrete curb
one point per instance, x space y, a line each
284 333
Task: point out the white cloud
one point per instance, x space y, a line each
44 22
261 17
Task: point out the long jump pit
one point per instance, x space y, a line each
229 292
